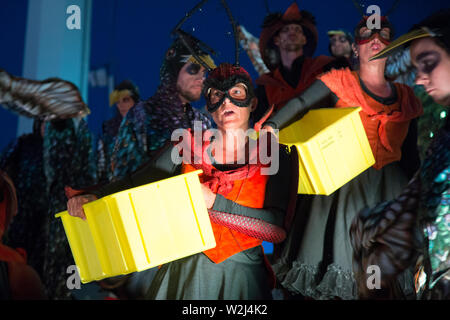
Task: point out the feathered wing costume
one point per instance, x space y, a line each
399 68
383 237
48 99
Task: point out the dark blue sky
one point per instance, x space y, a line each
131 36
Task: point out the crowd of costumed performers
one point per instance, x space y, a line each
393 215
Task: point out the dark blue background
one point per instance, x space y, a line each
130 37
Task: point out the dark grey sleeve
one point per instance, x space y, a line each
297 107
410 160
263 103
276 196
160 167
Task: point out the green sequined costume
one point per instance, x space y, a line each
434 219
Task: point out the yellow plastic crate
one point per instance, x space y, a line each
140 228
332 146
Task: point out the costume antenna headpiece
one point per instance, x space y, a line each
182 34
385 23
266 3
235 32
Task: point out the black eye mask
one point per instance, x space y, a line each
193 69
221 80
373 33
224 87
222 94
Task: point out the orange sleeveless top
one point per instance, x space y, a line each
249 192
386 126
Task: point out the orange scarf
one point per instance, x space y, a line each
345 84
245 186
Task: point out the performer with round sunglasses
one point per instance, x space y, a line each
316 258
148 126
246 205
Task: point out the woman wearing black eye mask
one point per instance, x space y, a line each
246 203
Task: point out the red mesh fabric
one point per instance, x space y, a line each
227 70
252 227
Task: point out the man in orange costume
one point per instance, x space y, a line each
287 43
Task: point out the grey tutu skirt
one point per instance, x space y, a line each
243 276
299 257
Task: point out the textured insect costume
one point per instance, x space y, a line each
41 165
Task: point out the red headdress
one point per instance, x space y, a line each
275 21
